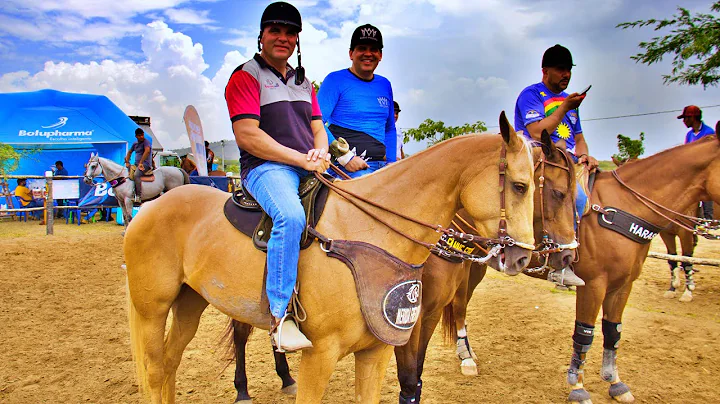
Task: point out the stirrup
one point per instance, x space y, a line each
276 335
565 277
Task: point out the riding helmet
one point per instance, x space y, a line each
281 13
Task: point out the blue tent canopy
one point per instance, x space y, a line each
55 125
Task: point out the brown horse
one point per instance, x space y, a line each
552 221
609 263
687 242
182 254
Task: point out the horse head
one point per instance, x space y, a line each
554 199
515 205
92 168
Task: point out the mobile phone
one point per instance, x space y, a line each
585 90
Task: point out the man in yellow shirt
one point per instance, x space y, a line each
26 199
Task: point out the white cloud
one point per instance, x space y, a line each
189 16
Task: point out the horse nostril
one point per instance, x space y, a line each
567 259
523 262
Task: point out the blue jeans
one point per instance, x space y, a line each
35 203
275 187
372 167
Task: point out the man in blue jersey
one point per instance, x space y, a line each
357 105
692 118
546 106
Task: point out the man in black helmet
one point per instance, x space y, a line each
546 106
278 128
357 105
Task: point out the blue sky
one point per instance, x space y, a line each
452 60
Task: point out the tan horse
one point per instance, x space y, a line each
182 254
609 263
445 281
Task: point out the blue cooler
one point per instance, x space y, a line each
119 215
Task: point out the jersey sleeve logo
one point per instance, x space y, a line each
532 114
384 102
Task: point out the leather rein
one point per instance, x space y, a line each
502 240
113 183
695 225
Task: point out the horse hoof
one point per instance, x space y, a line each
620 392
468 367
248 401
669 294
290 390
686 297
580 396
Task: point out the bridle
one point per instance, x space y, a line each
89 178
502 240
695 225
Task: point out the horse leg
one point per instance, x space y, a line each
407 361
370 366
468 359
316 366
126 207
688 248
613 308
241 334
669 240
587 306
427 329
187 310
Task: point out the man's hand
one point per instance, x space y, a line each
317 160
141 167
573 101
127 164
356 164
589 161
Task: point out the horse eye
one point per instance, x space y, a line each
519 187
557 194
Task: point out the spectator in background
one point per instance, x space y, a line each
23 193
401 152
692 118
60 171
210 157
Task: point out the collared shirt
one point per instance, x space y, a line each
535 103
705 130
24 194
256 90
361 111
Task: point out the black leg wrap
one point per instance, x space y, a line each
611 333
583 337
407 400
418 391
687 266
673 265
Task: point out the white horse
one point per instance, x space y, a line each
166 178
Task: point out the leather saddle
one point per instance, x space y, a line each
144 178
246 215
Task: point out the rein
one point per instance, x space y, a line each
501 241
115 182
701 230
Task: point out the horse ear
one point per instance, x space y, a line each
507 131
548 147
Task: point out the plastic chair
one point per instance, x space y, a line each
21 215
72 214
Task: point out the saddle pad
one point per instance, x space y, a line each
632 227
147 178
390 290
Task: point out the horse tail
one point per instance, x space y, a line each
448 324
228 340
136 346
186 177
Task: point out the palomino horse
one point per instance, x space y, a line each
199 258
166 178
687 242
652 189
553 220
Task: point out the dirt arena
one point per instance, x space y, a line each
65 335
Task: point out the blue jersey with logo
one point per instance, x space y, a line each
705 130
361 112
535 103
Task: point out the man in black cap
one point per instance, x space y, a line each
143 161
546 106
278 128
357 105
692 118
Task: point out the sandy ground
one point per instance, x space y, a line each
65 336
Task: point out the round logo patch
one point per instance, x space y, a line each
401 305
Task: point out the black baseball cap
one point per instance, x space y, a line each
396 106
281 13
366 35
556 56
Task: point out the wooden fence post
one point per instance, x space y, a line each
49 204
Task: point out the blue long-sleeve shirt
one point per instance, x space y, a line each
354 108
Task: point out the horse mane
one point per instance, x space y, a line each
643 164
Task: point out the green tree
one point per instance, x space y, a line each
630 149
694 40
316 85
10 158
435 132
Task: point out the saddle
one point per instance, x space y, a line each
246 215
143 177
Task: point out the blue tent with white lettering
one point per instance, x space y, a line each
54 125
